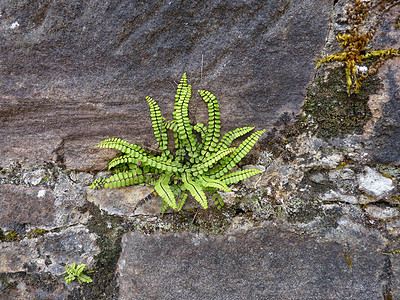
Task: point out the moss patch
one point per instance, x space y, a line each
259 203
302 210
333 111
43 284
34 233
11 236
109 229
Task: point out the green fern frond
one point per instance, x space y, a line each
84 278
182 89
120 180
214 123
163 189
195 190
170 125
151 179
202 129
217 198
214 183
123 146
160 164
158 124
181 113
164 206
236 156
182 200
230 136
124 159
80 268
210 161
181 117
180 193
76 272
136 154
98 183
239 176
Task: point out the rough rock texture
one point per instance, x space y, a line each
322 221
123 201
263 263
375 184
127 202
74 73
49 253
384 144
34 206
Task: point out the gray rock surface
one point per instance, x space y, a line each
264 263
123 201
49 253
74 73
34 177
384 145
21 205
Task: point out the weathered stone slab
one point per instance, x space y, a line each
50 252
75 244
74 73
123 201
17 256
383 145
26 291
70 196
264 263
21 205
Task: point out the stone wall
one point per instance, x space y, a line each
315 224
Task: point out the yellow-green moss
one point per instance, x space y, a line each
333 112
34 233
12 236
393 252
353 44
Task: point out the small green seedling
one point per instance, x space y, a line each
76 272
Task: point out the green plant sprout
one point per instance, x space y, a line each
199 163
76 272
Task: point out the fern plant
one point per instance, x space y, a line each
200 162
76 272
